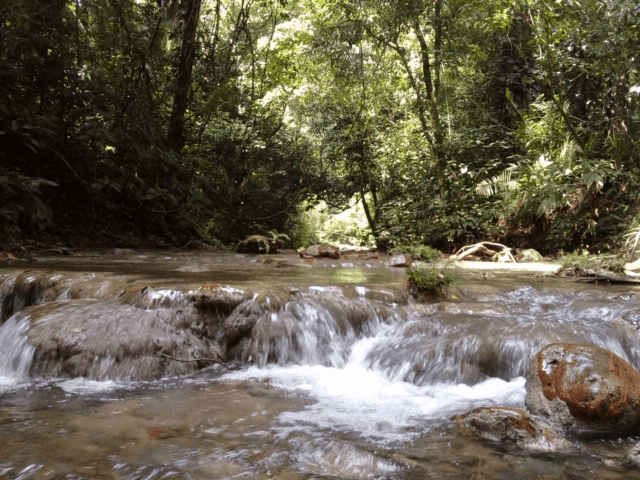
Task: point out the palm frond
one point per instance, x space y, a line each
632 241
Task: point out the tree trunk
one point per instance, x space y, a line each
176 137
437 136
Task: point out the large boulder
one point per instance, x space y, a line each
585 389
110 341
513 428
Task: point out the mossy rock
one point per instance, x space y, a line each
529 256
256 244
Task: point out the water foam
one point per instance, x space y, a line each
83 386
360 400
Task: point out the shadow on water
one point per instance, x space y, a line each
341 377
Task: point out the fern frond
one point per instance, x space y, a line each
499 183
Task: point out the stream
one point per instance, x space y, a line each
323 369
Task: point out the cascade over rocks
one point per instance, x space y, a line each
26 289
313 330
513 428
585 389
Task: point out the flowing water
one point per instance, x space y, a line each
341 376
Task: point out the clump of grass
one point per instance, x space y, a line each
420 252
632 241
582 263
427 283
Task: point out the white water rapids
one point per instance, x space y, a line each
387 373
360 400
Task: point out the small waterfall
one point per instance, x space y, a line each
17 354
389 372
451 342
496 337
316 329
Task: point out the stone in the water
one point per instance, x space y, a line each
514 428
586 389
320 251
399 260
256 244
528 256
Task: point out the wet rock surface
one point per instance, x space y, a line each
241 322
584 389
106 340
513 428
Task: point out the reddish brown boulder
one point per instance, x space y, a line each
585 389
320 251
513 428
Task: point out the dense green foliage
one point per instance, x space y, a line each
448 121
420 252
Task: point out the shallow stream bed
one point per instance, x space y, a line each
345 379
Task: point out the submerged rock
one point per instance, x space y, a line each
513 428
585 389
320 251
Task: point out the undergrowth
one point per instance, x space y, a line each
583 263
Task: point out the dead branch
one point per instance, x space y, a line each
197 360
483 247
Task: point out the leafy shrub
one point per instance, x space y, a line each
22 203
583 263
420 252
